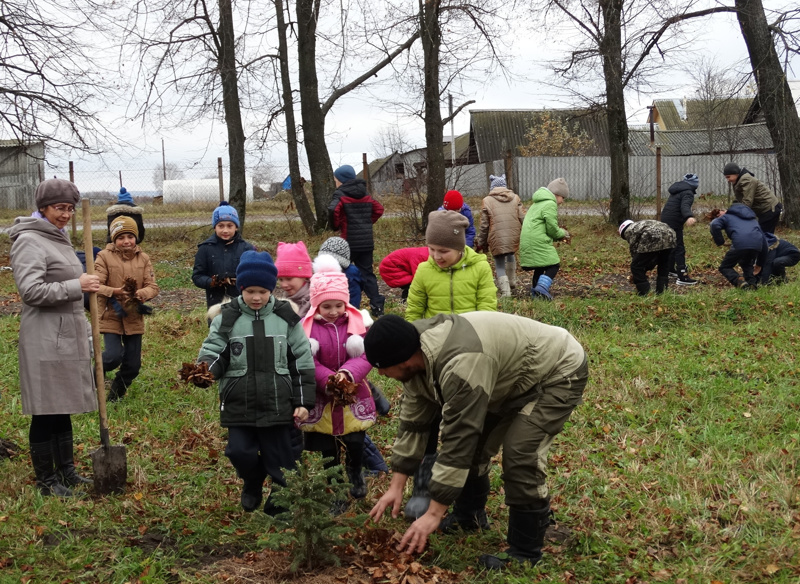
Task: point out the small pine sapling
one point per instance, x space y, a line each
308 529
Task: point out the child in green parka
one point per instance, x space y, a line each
539 230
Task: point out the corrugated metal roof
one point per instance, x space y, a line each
683 114
17 143
748 138
496 131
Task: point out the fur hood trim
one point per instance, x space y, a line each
124 209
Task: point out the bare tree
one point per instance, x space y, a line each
48 77
170 171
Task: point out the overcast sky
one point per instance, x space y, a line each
355 120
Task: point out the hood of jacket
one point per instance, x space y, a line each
743 172
543 194
502 194
742 211
41 226
680 187
124 209
355 189
469 258
214 239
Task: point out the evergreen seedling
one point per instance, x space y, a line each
308 528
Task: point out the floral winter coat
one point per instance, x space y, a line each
335 350
539 230
502 215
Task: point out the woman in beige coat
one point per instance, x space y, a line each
55 369
502 215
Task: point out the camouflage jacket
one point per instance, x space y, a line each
648 236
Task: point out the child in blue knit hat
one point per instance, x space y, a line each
125 207
265 386
218 256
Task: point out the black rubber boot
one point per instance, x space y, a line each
662 284
382 405
117 390
421 497
65 462
252 494
356 478
642 288
526 531
44 468
469 510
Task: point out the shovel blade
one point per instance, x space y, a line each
110 465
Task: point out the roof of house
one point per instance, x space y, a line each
496 131
746 138
683 114
376 165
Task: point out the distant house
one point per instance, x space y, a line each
753 138
695 114
21 170
755 113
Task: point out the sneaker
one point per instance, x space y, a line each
685 280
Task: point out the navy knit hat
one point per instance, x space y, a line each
225 213
692 179
256 268
497 181
124 197
731 168
344 173
391 340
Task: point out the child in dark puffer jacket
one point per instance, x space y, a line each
748 245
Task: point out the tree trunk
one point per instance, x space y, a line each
611 51
776 102
233 115
431 36
298 190
319 161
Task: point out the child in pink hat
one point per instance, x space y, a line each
294 273
336 329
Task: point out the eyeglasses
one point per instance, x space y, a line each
64 209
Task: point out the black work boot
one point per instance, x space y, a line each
65 462
469 510
661 284
421 497
252 495
356 478
117 390
526 531
43 467
642 288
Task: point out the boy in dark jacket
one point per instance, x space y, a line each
747 244
266 384
780 254
651 243
218 256
353 211
676 213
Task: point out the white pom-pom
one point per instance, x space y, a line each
326 263
314 346
354 346
366 317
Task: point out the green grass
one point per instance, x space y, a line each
680 466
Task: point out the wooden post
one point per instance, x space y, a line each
367 178
508 166
120 179
221 182
658 183
72 180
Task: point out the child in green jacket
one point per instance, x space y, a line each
260 404
539 230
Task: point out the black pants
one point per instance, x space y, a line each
677 259
332 446
363 261
125 352
746 258
257 453
641 263
44 427
769 221
549 271
777 261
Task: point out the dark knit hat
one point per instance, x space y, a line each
344 173
256 268
338 248
123 224
447 229
225 212
453 201
390 340
124 197
731 168
56 190
559 187
692 179
497 181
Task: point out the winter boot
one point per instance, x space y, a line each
373 459
421 497
65 462
252 494
504 286
356 478
469 510
271 509
662 283
382 405
542 288
117 391
642 288
43 467
526 531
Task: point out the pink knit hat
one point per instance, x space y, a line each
293 261
329 283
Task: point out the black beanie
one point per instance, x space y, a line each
390 340
731 168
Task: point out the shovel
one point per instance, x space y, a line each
110 463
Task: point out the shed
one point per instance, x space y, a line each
21 171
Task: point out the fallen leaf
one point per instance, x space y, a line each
771 569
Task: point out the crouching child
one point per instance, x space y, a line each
258 351
651 243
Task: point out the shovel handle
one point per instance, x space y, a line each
95 319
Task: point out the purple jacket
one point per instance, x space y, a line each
335 350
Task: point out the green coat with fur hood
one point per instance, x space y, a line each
539 230
464 287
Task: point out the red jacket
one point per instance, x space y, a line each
398 268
